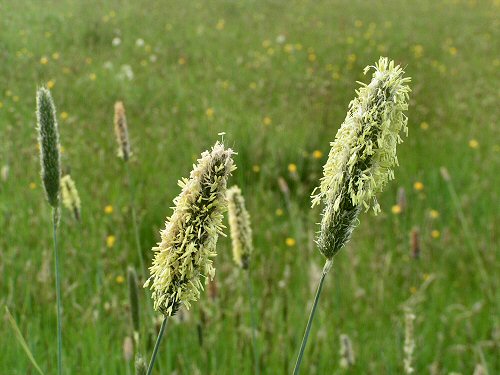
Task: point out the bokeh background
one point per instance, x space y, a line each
276 77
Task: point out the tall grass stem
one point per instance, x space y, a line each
157 345
326 268
134 221
55 219
253 324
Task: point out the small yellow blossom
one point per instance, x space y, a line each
288 48
120 279
108 209
44 60
312 57
473 143
418 51
267 121
453 51
110 241
351 59
413 290
396 209
424 125
317 154
279 212
426 276
290 242
435 233
292 168
358 23
220 24
64 115
252 85
181 61
210 112
92 76
50 84
32 186
256 168
434 214
56 56
418 186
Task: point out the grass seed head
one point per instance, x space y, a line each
363 154
48 139
239 223
70 197
347 358
409 345
183 258
141 366
121 132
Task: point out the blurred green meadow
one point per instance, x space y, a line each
276 77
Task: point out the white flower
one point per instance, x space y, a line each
116 42
139 42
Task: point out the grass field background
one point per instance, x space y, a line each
276 77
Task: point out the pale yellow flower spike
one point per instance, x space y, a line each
239 223
363 154
70 197
182 259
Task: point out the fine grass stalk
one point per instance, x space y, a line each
157 344
326 268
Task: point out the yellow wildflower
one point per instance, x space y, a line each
110 241
292 168
424 125
120 279
210 112
396 209
290 242
434 214
473 143
317 154
44 60
267 121
435 233
418 186
108 209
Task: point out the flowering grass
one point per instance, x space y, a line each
277 78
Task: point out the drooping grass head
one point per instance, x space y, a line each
48 139
183 258
363 154
239 223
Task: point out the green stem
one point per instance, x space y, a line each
55 219
326 268
157 345
134 220
252 321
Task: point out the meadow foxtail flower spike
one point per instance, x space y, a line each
239 224
70 197
121 132
183 258
363 154
359 164
48 139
